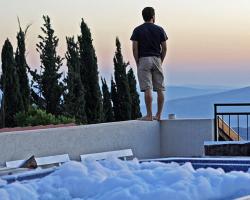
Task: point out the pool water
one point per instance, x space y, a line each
226 163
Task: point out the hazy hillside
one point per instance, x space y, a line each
178 92
202 106
243 132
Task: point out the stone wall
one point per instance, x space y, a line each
228 149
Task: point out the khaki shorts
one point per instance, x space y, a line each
150 73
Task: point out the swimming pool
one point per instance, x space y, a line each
112 179
226 163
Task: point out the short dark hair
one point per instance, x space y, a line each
148 13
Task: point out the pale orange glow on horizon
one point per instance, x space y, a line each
204 36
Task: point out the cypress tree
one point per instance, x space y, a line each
121 81
108 115
48 81
11 99
22 67
115 100
135 100
74 98
89 76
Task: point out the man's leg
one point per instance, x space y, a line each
158 85
145 81
160 103
148 102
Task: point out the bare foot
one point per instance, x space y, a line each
146 118
157 117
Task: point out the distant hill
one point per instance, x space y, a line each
243 132
178 92
202 106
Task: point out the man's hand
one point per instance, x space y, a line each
135 52
163 50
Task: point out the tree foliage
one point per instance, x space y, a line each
48 81
78 96
108 115
135 100
35 117
89 76
122 87
22 67
74 97
11 99
115 100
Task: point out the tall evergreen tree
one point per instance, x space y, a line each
107 104
135 100
22 67
11 99
48 81
74 98
121 81
89 76
115 100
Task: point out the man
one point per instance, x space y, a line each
149 50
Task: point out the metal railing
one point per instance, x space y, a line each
231 125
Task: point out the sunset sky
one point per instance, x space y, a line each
209 41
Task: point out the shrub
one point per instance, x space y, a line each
35 117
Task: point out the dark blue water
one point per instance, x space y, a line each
227 164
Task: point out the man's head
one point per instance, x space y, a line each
148 14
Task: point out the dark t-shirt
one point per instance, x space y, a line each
149 37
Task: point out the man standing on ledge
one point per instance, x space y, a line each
149 50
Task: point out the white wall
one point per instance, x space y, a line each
142 137
146 139
185 137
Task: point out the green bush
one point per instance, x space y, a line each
35 117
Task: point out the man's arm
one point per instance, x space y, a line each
163 50
135 51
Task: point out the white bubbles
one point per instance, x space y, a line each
114 179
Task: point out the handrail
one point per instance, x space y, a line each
228 131
221 115
232 104
233 113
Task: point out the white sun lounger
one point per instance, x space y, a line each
8 171
18 174
104 155
42 161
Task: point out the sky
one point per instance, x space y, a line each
209 41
